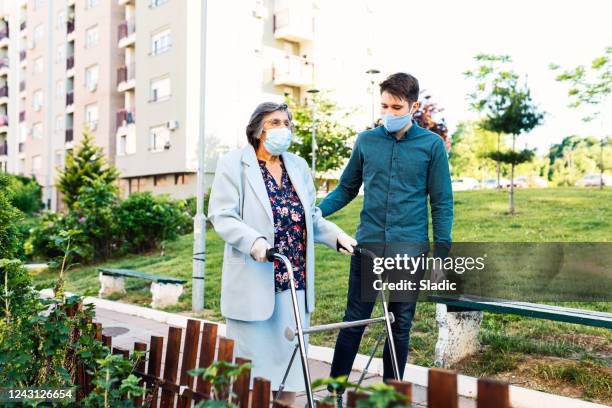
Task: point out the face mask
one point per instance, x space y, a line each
277 140
395 123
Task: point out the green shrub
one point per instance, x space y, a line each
26 194
11 238
145 221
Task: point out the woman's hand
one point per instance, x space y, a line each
346 243
259 248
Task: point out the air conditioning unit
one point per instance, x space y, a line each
172 124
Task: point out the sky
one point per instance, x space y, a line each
436 40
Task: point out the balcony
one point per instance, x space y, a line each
125 117
22 55
69 135
126 75
293 71
3 120
22 86
69 98
3 148
126 33
70 62
21 147
124 2
4 62
293 24
4 91
22 25
69 26
22 116
4 37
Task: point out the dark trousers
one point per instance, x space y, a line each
347 343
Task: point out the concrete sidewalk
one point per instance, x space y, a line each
125 329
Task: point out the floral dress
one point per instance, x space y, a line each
289 228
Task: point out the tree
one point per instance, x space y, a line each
471 144
332 136
83 166
428 117
576 156
591 87
508 109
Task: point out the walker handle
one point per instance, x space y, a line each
270 252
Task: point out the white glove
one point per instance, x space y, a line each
346 241
259 248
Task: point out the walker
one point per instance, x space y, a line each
299 331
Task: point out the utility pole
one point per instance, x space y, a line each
199 221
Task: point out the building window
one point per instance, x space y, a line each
61 20
156 3
37 100
23 132
91 116
59 89
39 33
38 4
38 65
159 138
160 89
91 4
58 158
22 166
61 54
59 123
37 130
91 37
161 42
122 145
36 164
91 77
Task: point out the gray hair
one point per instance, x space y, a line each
255 126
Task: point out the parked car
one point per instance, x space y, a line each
464 184
492 183
520 182
594 180
530 181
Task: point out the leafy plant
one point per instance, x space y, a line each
377 395
220 374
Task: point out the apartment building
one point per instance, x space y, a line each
128 72
256 51
61 61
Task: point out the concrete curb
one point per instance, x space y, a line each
466 386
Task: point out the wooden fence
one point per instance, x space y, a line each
202 346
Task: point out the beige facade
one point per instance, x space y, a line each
64 66
128 72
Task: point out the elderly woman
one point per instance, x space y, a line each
263 197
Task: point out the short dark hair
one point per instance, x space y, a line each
401 85
255 126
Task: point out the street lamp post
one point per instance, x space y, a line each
313 161
372 72
199 221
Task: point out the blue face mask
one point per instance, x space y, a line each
395 123
277 140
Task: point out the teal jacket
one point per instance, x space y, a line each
398 177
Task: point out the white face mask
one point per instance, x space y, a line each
277 140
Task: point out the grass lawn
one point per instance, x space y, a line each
565 359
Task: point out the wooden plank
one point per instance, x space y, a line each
442 389
261 393
121 351
140 366
207 354
142 275
173 347
154 366
353 396
538 311
492 394
225 353
241 385
107 341
404 388
190 351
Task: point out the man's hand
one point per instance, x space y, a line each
346 243
259 248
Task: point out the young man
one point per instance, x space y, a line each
401 165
